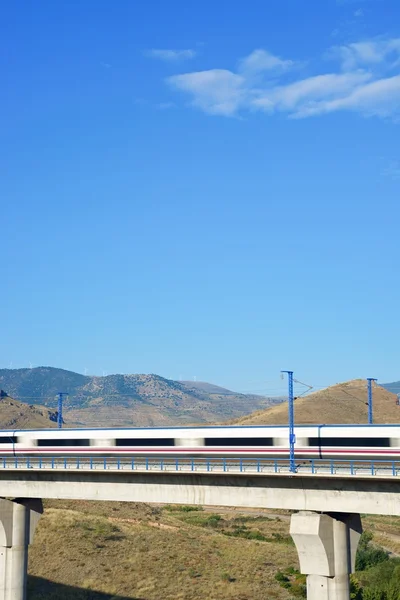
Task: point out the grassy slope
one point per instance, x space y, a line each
135 551
341 403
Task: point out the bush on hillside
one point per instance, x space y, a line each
368 556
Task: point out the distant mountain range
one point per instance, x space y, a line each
393 387
128 400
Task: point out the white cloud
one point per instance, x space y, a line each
301 93
369 54
218 91
379 98
359 13
261 60
170 55
366 81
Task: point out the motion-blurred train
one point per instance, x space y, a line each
312 441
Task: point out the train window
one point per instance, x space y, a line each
145 442
353 442
63 442
238 442
8 440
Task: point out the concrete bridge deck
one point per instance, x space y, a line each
327 487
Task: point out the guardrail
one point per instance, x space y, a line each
314 467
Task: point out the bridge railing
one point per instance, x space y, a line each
314 467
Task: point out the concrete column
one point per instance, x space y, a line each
18 520
326 545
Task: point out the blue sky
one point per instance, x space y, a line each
201 189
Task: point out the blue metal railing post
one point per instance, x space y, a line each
292 437
370 416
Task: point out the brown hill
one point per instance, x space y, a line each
18 415
342 403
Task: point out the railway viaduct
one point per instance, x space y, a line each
326 527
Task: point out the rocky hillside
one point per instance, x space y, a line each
128 400
341 403
18 415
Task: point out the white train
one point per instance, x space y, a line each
312 441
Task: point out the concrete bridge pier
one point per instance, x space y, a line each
326 545
18 520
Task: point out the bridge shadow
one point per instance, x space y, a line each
43 589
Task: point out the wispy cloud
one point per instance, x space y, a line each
373 53
165 105
378 98
392 170
170 55
217 91
260 61
367 80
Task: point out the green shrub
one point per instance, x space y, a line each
182 508
226 577
367 555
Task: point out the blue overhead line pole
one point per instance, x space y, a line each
60 408
292 437
370 416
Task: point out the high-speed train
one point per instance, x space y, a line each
312 441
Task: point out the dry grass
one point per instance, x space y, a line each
132 551
135 551
341 403
385 530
